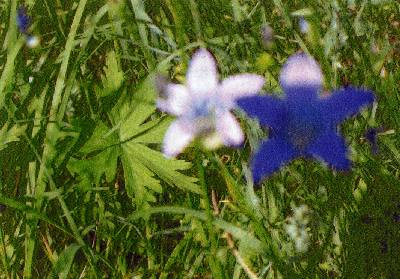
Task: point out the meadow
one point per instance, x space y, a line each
86 191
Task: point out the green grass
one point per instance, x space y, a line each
85 192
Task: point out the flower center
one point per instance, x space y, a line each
303 127
301 134
203 115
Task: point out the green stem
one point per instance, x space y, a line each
214 263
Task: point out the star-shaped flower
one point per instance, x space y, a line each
303 124
203 105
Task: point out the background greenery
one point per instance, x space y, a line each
85 192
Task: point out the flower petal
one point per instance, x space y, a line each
345 103
301 71
331 148
229 129
177 99
177 137
271 156
201 77
268 110
241 85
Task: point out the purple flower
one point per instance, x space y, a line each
203 105
304 25
303 124
23 20
371 136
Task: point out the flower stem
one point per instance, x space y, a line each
214 263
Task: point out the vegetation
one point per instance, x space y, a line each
86 193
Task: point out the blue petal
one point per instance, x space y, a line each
301 95
331 148
271 156
268 110
346 102
23 20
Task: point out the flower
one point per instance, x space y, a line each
203 105
304 25
371 135
303 124
267 35
24 23
23 20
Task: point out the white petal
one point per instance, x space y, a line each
201 77
240 85
301 70
177 137
177 99
229 129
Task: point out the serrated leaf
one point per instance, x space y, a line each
138 181
359 28
163 167
238 11
64 262
140 12
133 126
10 135
101 138
113 75
152 131
92 169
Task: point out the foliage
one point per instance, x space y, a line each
86 193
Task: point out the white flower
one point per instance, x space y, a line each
32 41
203 105
304 25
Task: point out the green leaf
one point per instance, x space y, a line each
10 135
64 262
101 138
242 235
164 168
302 12
133 126
92 169
113 75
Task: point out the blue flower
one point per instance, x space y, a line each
304 25
371 135
303 124
23 23
23 20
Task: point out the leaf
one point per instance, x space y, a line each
64 262
141 163
134 125
302 12
92 169
359 28
242 235
101 138
164 168
113 75
13 134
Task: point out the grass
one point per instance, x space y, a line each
85 192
